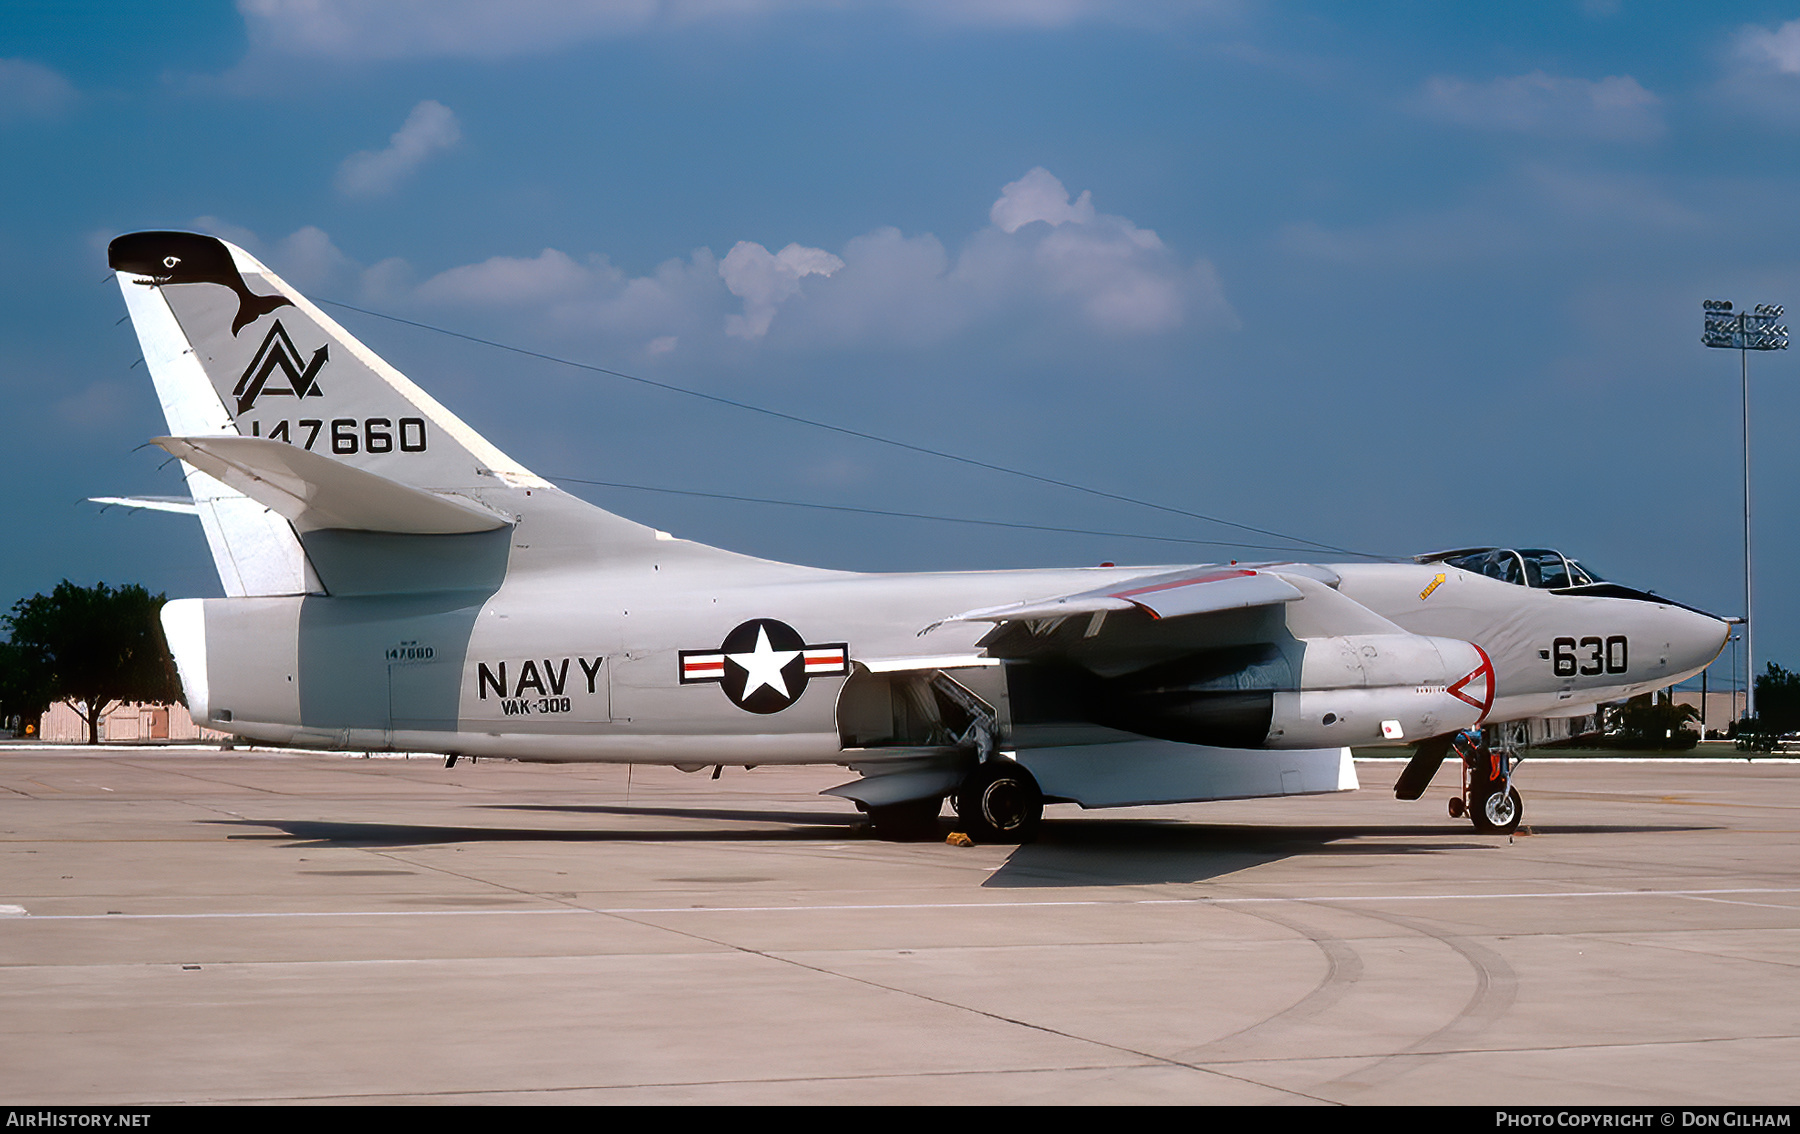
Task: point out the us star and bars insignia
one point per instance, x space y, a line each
763 665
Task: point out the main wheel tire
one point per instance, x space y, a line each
906 822
1000 802
1497 812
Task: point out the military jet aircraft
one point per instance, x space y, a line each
394 581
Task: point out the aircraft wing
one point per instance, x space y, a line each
1172 594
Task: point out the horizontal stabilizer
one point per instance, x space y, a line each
1168 595
314 492
180 504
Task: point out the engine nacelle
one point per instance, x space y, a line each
1364 689
1382 689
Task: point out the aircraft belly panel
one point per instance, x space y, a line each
1161 771
616 746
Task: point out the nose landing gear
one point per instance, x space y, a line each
1498 811
1488 797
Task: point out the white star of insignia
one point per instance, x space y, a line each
762 666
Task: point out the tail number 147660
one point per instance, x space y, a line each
349 435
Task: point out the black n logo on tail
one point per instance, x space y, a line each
277 353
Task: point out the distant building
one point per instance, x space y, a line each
1543 732
1723 706
129 721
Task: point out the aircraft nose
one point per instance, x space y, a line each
1695 640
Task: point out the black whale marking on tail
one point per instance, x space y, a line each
188 257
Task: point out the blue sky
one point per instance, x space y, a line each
1392 280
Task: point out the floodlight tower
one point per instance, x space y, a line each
1745 331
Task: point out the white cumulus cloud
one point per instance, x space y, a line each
764 281
1046 260
366 30
1049 265
31 90
305 257
429 129
1536 211
401 29
1774 50
509 281
1761 73
1614 108
1118 278
1039 196
680 301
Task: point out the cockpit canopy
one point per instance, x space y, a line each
1526 566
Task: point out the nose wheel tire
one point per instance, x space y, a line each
1497 812
1000 802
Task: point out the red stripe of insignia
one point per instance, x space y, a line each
1208 577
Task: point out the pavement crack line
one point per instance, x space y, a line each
1648 943
982 1012
624 915
1343 968
1528 1050
461 1092
1496 987
1731 902
165 770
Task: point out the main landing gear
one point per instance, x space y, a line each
999 802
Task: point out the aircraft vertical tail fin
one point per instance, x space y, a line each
255 551
281 368
234 350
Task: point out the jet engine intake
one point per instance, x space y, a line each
1382 689
1354 689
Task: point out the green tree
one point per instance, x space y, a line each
1778 700
24 694
1656 722
94 646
